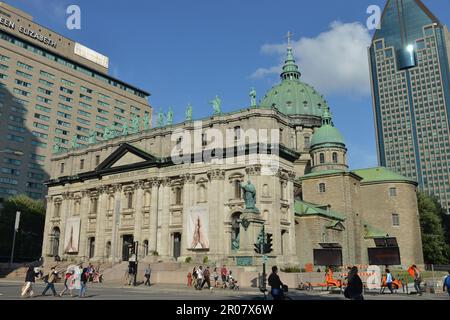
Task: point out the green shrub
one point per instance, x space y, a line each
188 260
205 260
292 270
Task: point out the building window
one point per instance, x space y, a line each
178 196
145 248
322 158
237 133
322 188
62 168
81 164
395 220
130 200
57 212
97 160
108 250
204 140
237 189
335 157
392 192
307 142
94 205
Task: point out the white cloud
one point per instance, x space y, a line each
334 62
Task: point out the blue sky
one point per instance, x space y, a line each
189 51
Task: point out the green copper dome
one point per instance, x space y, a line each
291 96
327 135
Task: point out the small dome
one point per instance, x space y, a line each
327 134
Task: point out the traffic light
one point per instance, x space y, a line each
268 245
259 242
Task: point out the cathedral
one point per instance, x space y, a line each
183 197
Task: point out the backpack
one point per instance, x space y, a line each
447 282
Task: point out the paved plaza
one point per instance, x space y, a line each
9 290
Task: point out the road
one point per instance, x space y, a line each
10 290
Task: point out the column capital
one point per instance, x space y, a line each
292 175
139 184
166 182
216 174
48 198
155 182
254 170
117 187
67 195
188 178
85 193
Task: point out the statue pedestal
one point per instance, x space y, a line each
251 224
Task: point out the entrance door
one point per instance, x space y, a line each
176 245
55 242
91 247
127 242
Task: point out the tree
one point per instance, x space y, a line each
31 229
435 248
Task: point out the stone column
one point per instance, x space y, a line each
102 209
65 213
115 254
164 219
84 213
216 207
48 226
138 215
189 190
154 208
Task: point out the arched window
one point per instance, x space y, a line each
322 158
335 157
111 203
322 188
94 205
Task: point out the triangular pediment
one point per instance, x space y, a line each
125 155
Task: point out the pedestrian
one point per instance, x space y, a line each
148 273
207 279
52 277
389 280
83 281
275 284
67 279
30 279
447 283
417 279
216 278
354 287
224 275
199 278
189 276
194 276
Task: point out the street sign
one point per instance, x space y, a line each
16 227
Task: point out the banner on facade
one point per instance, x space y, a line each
72 237
198 228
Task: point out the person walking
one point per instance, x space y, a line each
30 279
67 279
148 273
354 286
199 278
52 277
275 284
83 281
417 279
224 276
207 279
447 283
389 280
216 278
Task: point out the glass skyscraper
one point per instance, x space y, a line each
409 65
